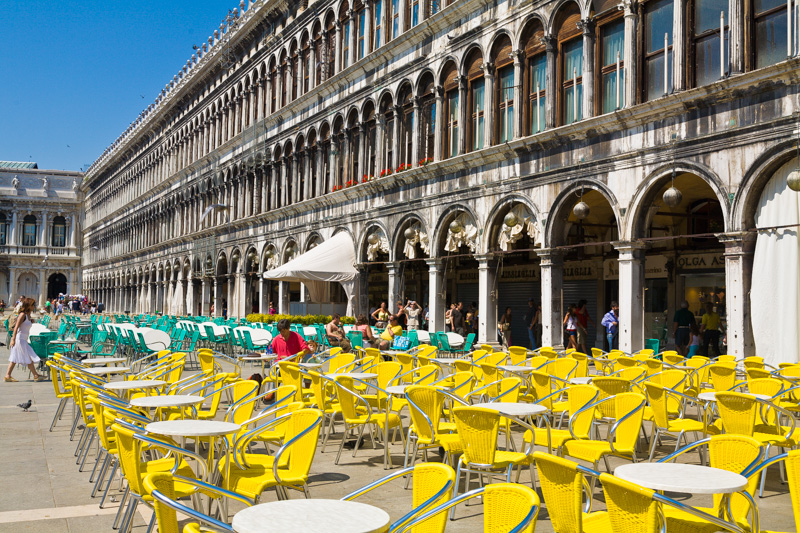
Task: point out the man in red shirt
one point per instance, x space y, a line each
288 343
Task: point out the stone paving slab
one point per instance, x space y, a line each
40 480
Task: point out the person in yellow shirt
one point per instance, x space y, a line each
709 327
393 329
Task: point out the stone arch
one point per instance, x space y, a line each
398 238
493 217
361 245
442 223
566 200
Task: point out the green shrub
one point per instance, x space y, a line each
305 320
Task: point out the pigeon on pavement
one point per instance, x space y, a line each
25 406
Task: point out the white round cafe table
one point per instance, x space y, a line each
712 396
134 384
103 360
443 360
397 390
311 516
514 409
166 400
101 370
679 477
257 357
454 339
355 375
311 366
581 381
192 428
516 368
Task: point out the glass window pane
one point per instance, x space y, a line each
771 39
765 5
414 14
573 59
658 20
571 107
706 15
655 76
613 43
610 85
477 113
453 123
707 54
507 101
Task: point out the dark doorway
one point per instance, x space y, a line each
56 284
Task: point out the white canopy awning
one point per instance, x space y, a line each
333 260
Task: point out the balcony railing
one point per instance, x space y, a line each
38 250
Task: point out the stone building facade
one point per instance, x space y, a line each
40 214
475 151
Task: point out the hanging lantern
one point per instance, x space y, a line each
409 233
290 250
511 219
581 210
373 239
793 180
269 254
209 263
455 226
672 197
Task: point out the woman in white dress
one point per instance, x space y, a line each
21 351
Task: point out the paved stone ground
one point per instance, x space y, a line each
42 490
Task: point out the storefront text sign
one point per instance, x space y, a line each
655 266
574 270
506 273
701 261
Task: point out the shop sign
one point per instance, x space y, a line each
701 261
575 270
507 274
655 266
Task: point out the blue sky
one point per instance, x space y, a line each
74 75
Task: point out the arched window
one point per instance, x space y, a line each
404 100
3 230
344 45
59 237
284 79
305 61
301 169
387 111
29 230
273 75
770 30
338 153
294 64
503 90
476 94
362 39
450 113
327 163
708 58
534 82
330 48
277 175
311 150
288 161
370 138
610 63
570 64
427 118
658 54
353 145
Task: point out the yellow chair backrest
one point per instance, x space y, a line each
290 374
387 372
495 358
726 359
427 351
301 452
487 347
738 412
130 452
429 479
757 373
623 361
425 375
490 374
625 404
630 507
463 383
517 354
538 361
734 453
347 399
340 361
548 352
506 505
722 376
166 516
610 386
597 353
753 365
582 370
672 358
477 354
578 397
793 476
462 365
513 385
425 401
542 387
653 367
634 373
407 363
563 368
477 427
562 488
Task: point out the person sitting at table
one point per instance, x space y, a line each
335 333
362 325
392 330
289 343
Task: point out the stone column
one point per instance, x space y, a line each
416 133
394 286
587 75
678 45
487 299
218 296
367 27
739 248
43 232
396 134
188 297
436 301
736 31
631 295
380 164
263 304
488 104
401 24
312 75
352 39
337 57
205 296
552 269
362 152
519 105
43 287
551 82
12 241
439 121
283 298
463 114
268 94
73 229
630 57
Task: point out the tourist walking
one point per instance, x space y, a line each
21 351
532 316
681 327
505 327
709 327
582 314
571 325
611 323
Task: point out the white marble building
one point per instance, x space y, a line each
577 117
39 232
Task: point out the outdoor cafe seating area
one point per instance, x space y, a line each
198 420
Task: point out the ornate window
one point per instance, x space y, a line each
274 89
406 124
476 93
658 55
370 137
709 56
344 20
3 230
450 112
534 83
362 40
29 224
387 109
302 154
305 59
378 23
503 90
330 49
394 19
59 237
311 151
427 119
611 43
770 32
325 137
284 80
412 13
570 65
294 65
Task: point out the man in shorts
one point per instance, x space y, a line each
680 327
